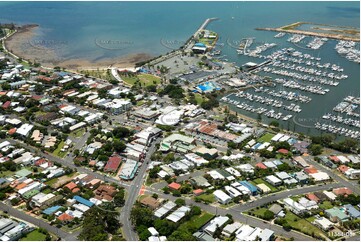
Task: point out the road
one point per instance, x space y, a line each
37 222
133 193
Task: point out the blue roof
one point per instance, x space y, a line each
83 201
352 211
62 73
252 188
51 210
277 162
200 45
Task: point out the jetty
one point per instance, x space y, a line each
203 26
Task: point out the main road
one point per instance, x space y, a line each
133 193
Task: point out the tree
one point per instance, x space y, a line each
141 216
315 149
119 198
268 215
119 146
274 123
195 210
180 202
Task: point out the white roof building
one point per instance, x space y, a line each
320 176
222 197
233 192
178 214
215 223
25 129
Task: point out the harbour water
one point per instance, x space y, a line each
158 27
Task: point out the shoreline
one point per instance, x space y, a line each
21 45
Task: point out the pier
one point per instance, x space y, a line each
202 27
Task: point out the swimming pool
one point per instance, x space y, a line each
208 87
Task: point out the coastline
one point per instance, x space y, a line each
22 45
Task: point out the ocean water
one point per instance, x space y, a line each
98 30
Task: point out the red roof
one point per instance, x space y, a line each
198 192
283 151
334 158
113 164
75 190
40 162
70 185
312 197
343 168
342 191
174 186
65 217
261 165
311 170
12 131
6 105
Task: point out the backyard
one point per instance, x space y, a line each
265 138
34 236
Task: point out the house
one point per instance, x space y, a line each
308 204
273 180
150 202
330 195
300 161
352 174
232 191
294 206
105 192
335 214
165 209
198 192
112 164
352 211
263 188
266 235
321 196
229 229
301 177
202 236
260 165
199 181
178 214
320 176
312 197
342 191
323 223
153 231
217 222
250 187
174 186
277 210
222 197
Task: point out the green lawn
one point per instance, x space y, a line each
326 205
302 225
78 133
260 212
58 151
148 79
207 198
34 236
266 138
129 79
197 221
198 98
47 191
52 182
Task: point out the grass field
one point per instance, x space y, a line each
265 138
302 225
144 79
207 198
34 236
58 151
